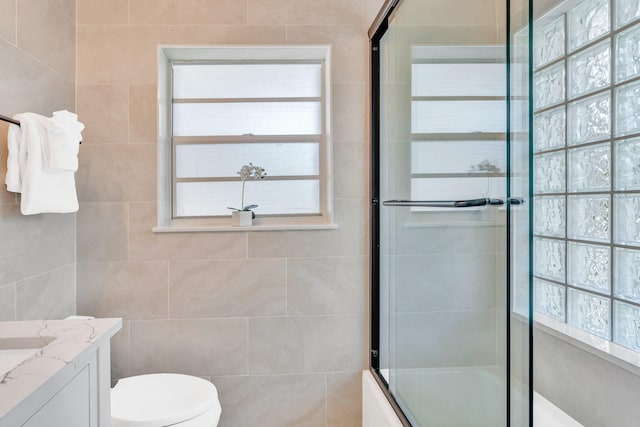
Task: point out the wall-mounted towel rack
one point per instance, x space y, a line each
9 119
14 121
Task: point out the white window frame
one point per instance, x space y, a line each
167 221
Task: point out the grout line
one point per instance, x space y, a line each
286 286
326 399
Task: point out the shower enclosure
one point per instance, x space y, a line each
451 327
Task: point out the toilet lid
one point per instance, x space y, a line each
161 399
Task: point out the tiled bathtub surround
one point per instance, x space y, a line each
37 253
276 319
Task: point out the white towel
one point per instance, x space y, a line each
60 147
42 191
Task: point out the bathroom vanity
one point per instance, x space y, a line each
56 373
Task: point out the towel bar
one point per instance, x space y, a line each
15 122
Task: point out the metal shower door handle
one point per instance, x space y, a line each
470 203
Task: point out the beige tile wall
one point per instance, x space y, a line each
37 65
278 320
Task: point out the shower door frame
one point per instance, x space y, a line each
377 30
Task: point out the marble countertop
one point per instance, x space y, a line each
64 341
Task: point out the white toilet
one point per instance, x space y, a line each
160 400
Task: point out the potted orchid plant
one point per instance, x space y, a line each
244 216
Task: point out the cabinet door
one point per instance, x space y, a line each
69 408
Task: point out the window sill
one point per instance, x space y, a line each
231 228
606 350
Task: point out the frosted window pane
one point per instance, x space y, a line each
589 312
588 267
549 298
627 274
549 129
628 109
590 119
272 197
589 168
548 86
627 212
587 21
548 173
548 42
269 118
548 258
628 164
548 216
458 80
590 69
627 11
225 160
457 116
246 80
627 325
458 157
455 189
628 54
589 218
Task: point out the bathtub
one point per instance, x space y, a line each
377 411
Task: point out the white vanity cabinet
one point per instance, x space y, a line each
74 369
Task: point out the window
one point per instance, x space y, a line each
587 168
228 106
457 124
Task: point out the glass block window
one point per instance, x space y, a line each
587 167
222 107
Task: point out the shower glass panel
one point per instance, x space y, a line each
451 332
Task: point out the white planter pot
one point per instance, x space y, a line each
241 218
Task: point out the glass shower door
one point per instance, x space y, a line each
450 210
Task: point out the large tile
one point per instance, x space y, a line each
593 391
228 34
437 282
48 296
46 32
120 352
8 302
119 54
344 399
246 287
327 285
146 245
305 12
306 344
349 49
104 111
372 8
203 347
351 170
188 12
352 217
29 85
348 112
34 244
143 113
100 12
117 173
135 290
446 338
102 232
272 401
8 20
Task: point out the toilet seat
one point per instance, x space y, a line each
159 400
